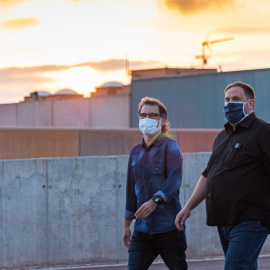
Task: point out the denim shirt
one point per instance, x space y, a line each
154 170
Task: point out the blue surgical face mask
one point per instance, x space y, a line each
234 112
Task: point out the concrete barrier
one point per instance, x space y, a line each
69 211
19 143
16 143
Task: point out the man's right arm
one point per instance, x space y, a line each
131 204
195 199
127 232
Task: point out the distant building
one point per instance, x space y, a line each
110 106
64 108
37 95
111 88
194 98
160 72
197 100
44 95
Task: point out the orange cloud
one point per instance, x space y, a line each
21 23
245 30
25 73
15 75
20 81
115 64
83 0
187 7
9 3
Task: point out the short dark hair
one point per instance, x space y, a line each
248 90
162 110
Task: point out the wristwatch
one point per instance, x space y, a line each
157 200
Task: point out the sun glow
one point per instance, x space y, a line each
85 34
81 79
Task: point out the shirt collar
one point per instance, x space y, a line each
245 123
156 142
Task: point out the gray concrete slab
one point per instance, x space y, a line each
204 264
69 211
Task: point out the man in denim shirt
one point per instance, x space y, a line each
153 182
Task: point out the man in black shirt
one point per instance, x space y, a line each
236 182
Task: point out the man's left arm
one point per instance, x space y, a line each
265 149
174 163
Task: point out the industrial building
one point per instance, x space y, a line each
107 108
194 99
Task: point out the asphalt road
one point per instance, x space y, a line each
206 264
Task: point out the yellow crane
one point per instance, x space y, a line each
207 43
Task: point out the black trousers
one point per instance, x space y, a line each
144 248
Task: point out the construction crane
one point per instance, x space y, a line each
207 43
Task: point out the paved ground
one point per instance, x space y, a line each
206 264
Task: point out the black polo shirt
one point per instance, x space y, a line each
238 174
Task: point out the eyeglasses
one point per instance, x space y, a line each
150 115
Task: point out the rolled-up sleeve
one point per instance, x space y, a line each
174 162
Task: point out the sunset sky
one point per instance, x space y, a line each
79 44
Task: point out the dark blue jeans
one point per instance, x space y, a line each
242 244
144 248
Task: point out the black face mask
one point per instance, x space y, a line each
234 112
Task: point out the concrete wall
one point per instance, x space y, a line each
69 211
70 113
16 143
110 111
8 115
196 140
97 142
38 113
